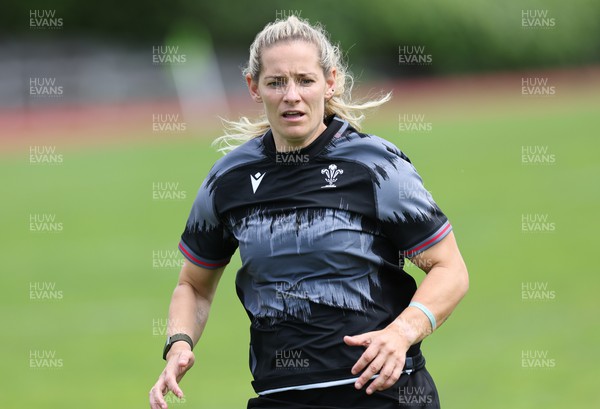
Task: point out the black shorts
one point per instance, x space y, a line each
413 391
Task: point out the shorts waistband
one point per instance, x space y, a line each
411 364
414 363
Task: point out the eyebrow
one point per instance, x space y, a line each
300 74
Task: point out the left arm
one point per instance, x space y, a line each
446 283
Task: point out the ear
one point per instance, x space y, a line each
330 83
253 88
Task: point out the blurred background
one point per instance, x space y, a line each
107 113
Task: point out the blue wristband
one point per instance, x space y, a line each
426 312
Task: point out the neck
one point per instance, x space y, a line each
283 144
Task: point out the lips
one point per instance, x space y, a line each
292 114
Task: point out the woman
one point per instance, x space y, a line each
324 217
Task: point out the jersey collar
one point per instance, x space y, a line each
333 123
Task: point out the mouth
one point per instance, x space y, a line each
292 115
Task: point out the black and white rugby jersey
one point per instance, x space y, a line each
322 233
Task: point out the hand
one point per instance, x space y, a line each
179 359
384 355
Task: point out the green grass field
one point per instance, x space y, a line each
105 329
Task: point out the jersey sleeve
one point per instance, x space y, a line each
409 215
206 241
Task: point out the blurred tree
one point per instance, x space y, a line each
460 36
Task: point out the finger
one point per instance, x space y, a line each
358 340
365 359
170 381
157 400
173 386
387 377
370 370
397 372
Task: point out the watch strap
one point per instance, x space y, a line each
174 338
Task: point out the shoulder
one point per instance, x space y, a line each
399 190
374 152
203 208
247 153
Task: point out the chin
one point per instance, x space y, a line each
294 139
294 132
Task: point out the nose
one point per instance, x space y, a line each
291 94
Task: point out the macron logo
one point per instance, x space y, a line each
256 179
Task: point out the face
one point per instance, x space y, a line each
293 89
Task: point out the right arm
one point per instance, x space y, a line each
188 313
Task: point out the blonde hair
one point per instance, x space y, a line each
341 104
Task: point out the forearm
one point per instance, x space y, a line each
440 292
188 312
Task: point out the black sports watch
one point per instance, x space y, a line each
173 339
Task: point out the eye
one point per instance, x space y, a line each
306 81
276 83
